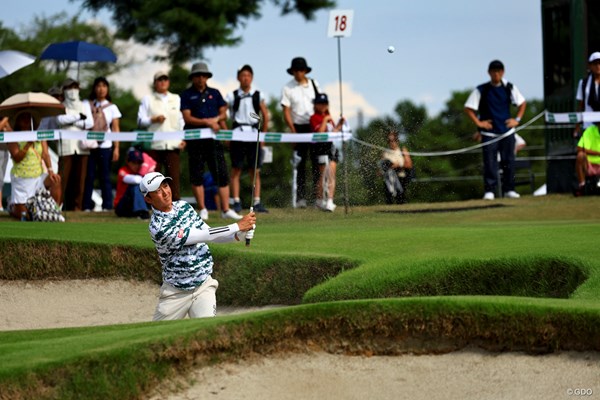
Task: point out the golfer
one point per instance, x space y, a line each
180 237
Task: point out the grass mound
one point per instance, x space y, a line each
550 277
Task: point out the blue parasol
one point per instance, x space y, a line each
78 51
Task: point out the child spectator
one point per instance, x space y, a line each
129 201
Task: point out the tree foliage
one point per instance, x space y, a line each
187 27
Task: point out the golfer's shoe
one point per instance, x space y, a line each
204 214
259 208
301 203
237 206
231 214
489 196
511 194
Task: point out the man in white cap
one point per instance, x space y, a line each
159 112
180 237
588 96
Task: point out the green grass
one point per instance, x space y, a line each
525 276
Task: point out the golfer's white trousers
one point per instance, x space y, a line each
175 303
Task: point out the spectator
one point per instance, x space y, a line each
587 162
72 164
204 107
588 98
106 117
4 155
242 102
160 112
181 238
27 174
325 153
129 201
397 167
297 102
488 107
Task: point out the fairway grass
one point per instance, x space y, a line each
523 275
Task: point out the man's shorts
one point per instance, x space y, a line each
324 149
244 151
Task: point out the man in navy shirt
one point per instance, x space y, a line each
204 107
488 107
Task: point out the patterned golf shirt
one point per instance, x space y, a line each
184 267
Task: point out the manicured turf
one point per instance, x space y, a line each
498 267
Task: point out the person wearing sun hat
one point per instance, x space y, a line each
204 107
180 237
160 112
297 101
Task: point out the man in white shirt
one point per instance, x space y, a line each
297 102
160 112
588 96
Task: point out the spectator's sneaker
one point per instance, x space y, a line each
580 191
259 208
231 214
330 206
237 206
204 214
301 203
489 196
512 195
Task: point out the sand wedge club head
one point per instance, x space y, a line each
257 118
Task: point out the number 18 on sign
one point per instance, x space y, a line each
340 23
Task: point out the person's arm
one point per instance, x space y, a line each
222 234
115 127
212 123
514 122
132 179
265 114
223 116
48 161
18 154
144 117
486 124
287 116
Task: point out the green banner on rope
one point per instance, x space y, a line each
91 135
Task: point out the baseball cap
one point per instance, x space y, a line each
321 99
151 182
160 74
135 155
69 81
496 64
245 67
594 56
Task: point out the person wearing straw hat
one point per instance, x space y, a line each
204 107
488 106
180 237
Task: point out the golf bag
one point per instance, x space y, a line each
42 207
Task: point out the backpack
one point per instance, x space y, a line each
100 124
255 101
42 207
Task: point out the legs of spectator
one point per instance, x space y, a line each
65 166
104 177
132 204
235 182
88 204
490 165
302 151
54 187
581 167
169 161
79 173
506 148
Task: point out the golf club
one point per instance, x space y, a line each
258 118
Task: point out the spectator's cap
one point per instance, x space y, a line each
321 99
161 74
68 82
200 69
55 91
151 182
135 155
496 64
594 56
298 64
245 67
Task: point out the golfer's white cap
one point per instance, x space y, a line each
594 56
151 182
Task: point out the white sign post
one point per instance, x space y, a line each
340 25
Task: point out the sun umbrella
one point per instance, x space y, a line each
78 51
40 105
12 60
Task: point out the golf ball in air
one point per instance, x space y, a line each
391 49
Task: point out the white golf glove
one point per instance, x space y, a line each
246 234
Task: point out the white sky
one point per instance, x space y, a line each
441 46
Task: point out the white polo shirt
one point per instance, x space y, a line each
580 97
299 98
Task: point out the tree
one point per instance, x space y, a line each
187 27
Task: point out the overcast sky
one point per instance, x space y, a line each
441 46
